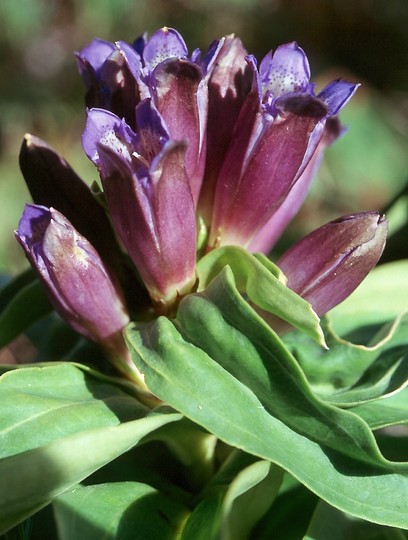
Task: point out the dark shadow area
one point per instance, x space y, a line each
289 516
151 463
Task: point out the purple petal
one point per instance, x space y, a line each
151 130
164 44
94 55
140 43
195 56
266 238
118 88
32 226
181 99
336 94
155 219
211 55
133 58
229 84
134 64
112 73
104 127
91 61
287 70
328 264
243 206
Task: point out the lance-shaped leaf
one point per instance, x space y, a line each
327 522
264 285
79 285
329 263
66 424
118 510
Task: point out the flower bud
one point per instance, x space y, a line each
329 263
79 284
53 183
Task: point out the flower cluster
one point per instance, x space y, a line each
195 152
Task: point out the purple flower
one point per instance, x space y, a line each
329 263
277 130
119 76
149 198
79 284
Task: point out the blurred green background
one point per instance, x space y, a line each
362 40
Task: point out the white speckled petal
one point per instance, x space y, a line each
103 127
287 70
163 44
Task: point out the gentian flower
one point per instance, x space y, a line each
149 198
119 76
80 286
276 133
264 130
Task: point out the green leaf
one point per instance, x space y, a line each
328 522
385 377
235 499
28 306
205 520
30 480
291 512
348 374
40 404
122 511
58 425
227 371
219 322
232 513
381 297
248 498
264 284
391 411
